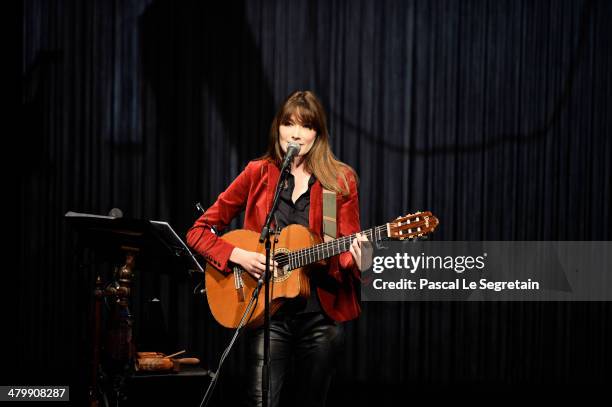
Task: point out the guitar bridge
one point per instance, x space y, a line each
239 283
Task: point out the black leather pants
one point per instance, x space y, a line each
309 345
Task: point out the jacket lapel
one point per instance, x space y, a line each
273 174
316 208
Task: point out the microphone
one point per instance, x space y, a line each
116 213
293 149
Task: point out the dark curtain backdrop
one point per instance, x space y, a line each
494 115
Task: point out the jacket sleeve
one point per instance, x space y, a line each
200 236
349 223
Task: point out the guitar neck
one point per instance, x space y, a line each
322 251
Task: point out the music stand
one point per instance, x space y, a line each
154 239
175 244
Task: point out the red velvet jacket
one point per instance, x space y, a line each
253 191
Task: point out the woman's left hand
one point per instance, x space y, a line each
362 253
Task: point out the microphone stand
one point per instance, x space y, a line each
265 279
265 238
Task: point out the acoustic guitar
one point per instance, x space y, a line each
229 293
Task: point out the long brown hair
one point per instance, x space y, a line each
320 161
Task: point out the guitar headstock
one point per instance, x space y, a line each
414 225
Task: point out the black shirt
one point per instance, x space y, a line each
289 213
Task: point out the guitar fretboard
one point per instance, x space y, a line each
313 254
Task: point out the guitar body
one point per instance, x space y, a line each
229 293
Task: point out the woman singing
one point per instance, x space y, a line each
305 334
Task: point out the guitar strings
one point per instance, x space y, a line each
309 255
302 257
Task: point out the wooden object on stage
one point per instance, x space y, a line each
159 362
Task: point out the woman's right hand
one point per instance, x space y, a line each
254 263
